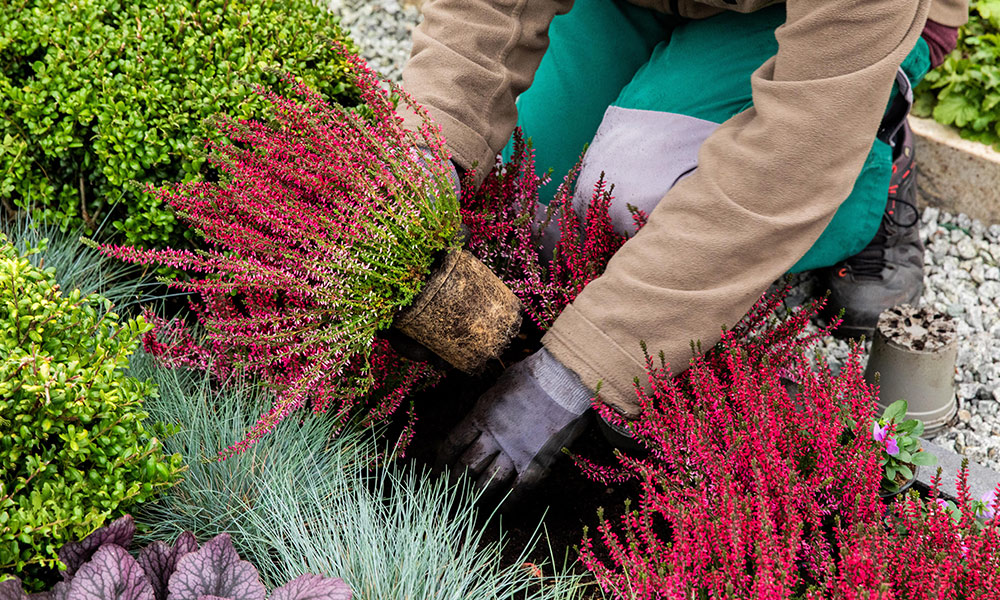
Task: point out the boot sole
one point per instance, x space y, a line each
847 332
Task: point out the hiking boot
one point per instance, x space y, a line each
890 270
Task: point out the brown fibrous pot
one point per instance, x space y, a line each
464 314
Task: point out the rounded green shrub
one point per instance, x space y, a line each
99 94
74 451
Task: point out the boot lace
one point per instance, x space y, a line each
870 262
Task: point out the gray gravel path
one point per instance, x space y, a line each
382 29
962 274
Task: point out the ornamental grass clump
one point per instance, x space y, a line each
750 490
323 226
301 502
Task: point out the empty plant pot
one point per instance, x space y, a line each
464 314
913 354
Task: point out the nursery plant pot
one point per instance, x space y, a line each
913 353
903 488
464 314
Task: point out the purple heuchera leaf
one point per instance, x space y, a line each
60 591
111 574
75 554
12 590
313 587
215 570
159 561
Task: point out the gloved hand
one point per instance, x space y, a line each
519 426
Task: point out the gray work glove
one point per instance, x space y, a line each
519 426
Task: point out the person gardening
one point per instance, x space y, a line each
760 137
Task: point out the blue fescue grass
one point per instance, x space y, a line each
299 502
76 265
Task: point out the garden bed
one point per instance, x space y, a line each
276 423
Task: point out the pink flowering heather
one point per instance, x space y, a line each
926 549
324 224
750 492
505 222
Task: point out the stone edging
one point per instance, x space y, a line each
956 175
981 479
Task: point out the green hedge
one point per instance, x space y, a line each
98 94
73 447
965 90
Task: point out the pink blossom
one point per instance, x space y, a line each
989 504
321 228
881 434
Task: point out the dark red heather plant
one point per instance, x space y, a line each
324 225
506 221
750 492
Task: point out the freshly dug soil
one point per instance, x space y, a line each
566 501
465 314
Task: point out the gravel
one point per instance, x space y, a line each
382 29
961 277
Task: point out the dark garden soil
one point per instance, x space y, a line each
567 501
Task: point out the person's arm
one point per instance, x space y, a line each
768 182
952 13
470 61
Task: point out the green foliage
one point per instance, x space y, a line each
97 94
300 501
906 454
73 447
78 266
965 90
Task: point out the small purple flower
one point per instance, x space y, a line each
881 434
942 503
989 499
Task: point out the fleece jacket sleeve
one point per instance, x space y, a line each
768 181
470 61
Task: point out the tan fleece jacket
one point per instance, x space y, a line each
753 207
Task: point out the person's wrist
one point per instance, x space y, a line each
941 40
560 383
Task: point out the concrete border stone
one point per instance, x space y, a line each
956 175
981 479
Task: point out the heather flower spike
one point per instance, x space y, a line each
748 492
323 224
507 223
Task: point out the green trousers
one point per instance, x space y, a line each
644 90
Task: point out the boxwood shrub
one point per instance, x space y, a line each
74 450
99 94
965 90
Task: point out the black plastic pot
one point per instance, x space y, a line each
888 496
